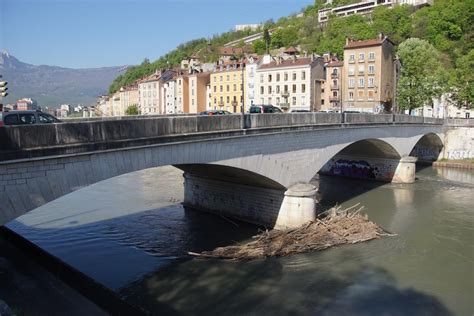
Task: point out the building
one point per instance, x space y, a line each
149 94
331 92
368 75
226 85
292 84
243 27
182 93
26 104
129 96
169 95
364 7
250 75
197 92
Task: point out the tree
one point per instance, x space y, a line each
132 110
267 39
462 82
259 47
422 77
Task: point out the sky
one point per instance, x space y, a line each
98 33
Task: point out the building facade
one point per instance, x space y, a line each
182 93
226 87
293 84
129 96
250 76
149 95
332 88
368 75
26 104
169 96
197 92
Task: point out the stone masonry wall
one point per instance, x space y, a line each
459 143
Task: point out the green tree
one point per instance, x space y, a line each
259 47
267 39
132 110
462 83
422 77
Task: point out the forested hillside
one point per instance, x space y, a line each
448 25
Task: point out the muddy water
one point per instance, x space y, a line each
131 234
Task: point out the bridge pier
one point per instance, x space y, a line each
405 172
270 207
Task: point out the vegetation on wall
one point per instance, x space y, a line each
132 110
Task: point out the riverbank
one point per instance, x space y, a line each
29 289
460 164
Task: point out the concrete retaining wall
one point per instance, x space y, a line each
459 143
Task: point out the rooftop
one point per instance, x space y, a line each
288 63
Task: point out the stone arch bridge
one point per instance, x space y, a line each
251 167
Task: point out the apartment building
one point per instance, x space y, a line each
365 7
292 84
169 96
251 66
226 87
332 88
182 93
26 104
368 74
149 94
129 96
197 92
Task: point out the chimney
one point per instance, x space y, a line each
348 40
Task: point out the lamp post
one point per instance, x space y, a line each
242 123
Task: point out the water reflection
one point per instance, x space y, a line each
130 234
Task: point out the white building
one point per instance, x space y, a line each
149 95
250 75
169 94
293 84
243 27
365 7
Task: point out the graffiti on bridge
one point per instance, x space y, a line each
360 169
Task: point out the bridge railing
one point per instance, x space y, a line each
102 134
460 122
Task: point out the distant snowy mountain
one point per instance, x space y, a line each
52 85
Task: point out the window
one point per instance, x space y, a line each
215 88
269 78
228 99
303 75
221 88
351 70
361 57
44 118
371 69
228 78
294 100
361 69
215 100
235 87
360 94
278 77
261 78
303 100
192 91
270 100
277 101
351 83
286 89
303 88
294 88
221 78
261 90
11 119
215 80
370 95
277 89
294 76
371 56
227 88
361 82
351 58
370 84
351 96
269 89
285 76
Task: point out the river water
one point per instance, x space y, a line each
131 234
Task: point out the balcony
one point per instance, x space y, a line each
285 94
333 99
334 75
335 87
220 103
234 103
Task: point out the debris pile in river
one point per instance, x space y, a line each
337 227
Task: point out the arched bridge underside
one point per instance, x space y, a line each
261 178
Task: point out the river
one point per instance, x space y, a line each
131 234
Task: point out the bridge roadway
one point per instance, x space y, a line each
251 167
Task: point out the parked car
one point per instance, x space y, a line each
264 109
215 112
26 118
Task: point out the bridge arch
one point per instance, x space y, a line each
428 148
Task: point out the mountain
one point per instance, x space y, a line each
51 85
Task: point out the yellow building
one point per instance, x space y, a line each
226 87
